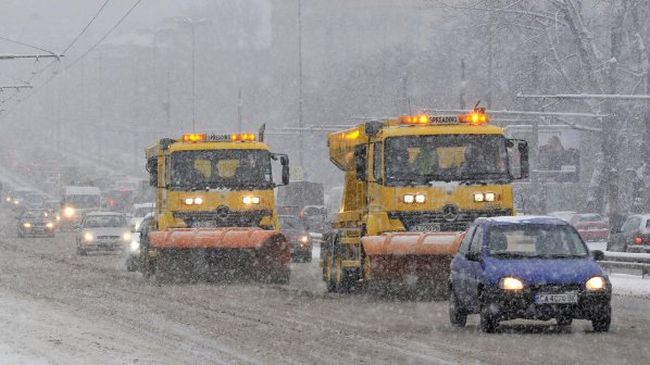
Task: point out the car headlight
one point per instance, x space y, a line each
127 236
8 199
27 225
251 199
58 217
420 198
408 198
194 201
49 225
68 212
304 239
134 246
479 197
490 197
16 202
510 283
595 284
88 237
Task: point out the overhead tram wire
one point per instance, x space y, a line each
74 40
73 63
26 45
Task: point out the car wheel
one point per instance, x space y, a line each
281 276
564 321
602 320
457 314
81 251
131 264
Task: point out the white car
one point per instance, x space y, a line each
565 215
102 231
138 212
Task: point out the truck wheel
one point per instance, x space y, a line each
281 276
489 321
602 320
457 314
330 273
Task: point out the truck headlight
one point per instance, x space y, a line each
408 198
88 237
27 225
490 197
194 201
134 246
127 236
510 283
49 225
251 199
595 284
68 212
420 198
479 197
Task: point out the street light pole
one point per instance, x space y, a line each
193 25
301 151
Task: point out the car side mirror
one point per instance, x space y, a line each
473 256
598 255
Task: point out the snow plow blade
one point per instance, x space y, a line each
425 255
273 243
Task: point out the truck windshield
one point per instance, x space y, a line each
83 201
534 240
419 160
231 169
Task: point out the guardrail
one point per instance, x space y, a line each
627 257
643 267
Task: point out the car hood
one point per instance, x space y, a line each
107 231
542 271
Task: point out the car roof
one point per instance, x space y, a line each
104 213
143 205
523 219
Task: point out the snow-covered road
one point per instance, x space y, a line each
59 308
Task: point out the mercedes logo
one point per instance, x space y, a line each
450 213
222 212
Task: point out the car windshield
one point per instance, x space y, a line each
590 218
291 222
104 221
424 159
535 240
141 212
234 169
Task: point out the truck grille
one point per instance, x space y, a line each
221 218
412 219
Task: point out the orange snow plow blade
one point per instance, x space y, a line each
254 239
425 254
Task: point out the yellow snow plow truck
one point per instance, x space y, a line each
412 184
215 209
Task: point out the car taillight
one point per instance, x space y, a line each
638 240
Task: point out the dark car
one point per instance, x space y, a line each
527 267
36 223
133 249
298 238
632 236
591 227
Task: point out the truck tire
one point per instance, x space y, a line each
281 276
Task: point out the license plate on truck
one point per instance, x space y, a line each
431 227
556 298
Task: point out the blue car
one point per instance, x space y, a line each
527 267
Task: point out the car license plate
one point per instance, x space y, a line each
558 298
432 227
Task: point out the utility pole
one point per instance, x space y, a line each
463 85
301 151
239 105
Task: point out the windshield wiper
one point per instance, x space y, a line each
484 178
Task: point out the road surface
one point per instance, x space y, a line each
59 308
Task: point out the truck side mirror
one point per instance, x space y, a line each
284 161
523 156
360 153
522 166
152 169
